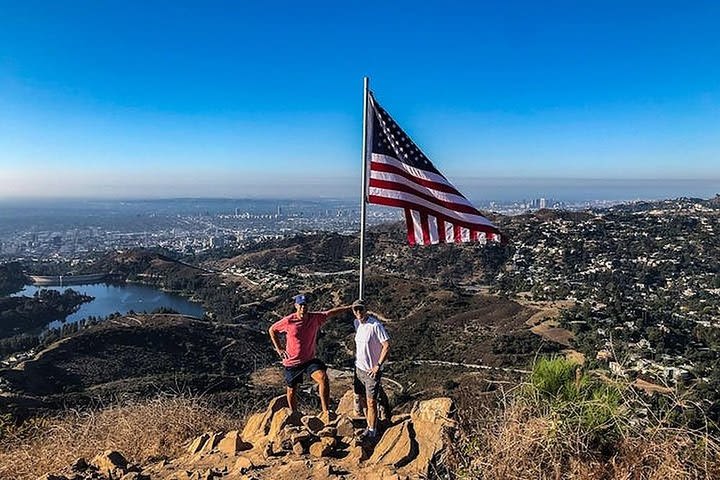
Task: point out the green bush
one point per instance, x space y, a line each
554 377
575 402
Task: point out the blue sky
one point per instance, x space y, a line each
240 99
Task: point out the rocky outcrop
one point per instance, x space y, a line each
278 444
107 465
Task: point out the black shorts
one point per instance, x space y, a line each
294 375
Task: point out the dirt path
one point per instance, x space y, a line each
544 323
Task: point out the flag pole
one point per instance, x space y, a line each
363 190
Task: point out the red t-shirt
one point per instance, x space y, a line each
301 336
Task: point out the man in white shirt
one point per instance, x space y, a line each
372 344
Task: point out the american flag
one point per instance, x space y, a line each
402 176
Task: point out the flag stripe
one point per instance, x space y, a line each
440 229
426 229
410 182
409 226
383 163
393 202
413 201
449 233
417 227
399 187
458 233
424 224
433 229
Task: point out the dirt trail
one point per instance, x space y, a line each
545 324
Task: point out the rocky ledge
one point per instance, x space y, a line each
279 445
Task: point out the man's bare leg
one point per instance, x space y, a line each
291 398
321 379
371 413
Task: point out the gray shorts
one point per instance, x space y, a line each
364 384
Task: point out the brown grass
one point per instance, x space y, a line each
143 432
516 441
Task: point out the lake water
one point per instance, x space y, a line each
119 298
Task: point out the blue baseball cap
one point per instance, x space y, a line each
299 299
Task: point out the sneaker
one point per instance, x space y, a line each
369 436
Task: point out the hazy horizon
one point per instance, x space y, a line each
346 189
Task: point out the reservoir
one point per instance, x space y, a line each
119 298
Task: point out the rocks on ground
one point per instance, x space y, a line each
281 445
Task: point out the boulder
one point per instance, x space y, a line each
397 447
330 441
436 410
321 449
432 424
298 448
400 417
357 454
344 427
211 442
243 464
282 418
135 476
197 444
301 437
109 461
232 443
312 423
258 425
346 405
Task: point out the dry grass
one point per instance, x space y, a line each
519 445
581 437
143 432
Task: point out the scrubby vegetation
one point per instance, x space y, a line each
564 423
147 431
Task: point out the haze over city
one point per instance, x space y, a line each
181 99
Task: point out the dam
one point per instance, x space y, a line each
62 280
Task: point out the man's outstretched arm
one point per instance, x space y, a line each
338 310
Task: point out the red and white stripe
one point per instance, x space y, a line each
435 212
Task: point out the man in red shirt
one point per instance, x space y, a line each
298 356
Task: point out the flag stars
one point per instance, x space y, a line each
392 141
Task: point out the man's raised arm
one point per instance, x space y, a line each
338 310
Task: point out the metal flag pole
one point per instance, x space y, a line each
363 190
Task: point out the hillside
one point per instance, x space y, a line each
137 356
633 288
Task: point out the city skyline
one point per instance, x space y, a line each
182 100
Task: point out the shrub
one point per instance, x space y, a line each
554 377
566 424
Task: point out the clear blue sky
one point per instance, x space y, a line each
155 98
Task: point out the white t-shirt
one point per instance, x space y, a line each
369 337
